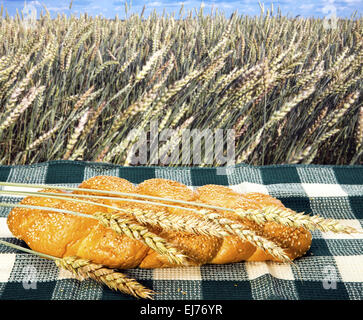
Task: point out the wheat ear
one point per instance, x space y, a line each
162 219
44 137
83 99
87 269
123 225
169 221
77 132
235 228
20 109
113 279
115 196
293 219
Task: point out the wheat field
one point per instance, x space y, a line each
74 87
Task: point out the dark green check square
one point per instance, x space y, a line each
201 177
314 290
356 204
226 290
4 173
65 172
275 175
346 175
319 248
6 249
298 204
16 291
136 174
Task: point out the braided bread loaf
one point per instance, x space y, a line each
61 234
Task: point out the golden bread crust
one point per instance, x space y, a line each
61 234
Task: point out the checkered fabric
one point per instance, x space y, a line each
332 268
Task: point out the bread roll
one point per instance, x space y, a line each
61 234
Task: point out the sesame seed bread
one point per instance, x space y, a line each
62 235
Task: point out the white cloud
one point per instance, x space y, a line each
155 4
34 3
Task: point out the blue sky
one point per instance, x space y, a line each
109 8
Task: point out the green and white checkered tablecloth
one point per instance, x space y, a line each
332 268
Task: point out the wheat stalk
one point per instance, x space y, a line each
20 109
235 228
77 132
83 98
175 222
343 107
276 117
89 126
293 219
174 89
86 269
359 132
149 65
165 120
71 55
287 107
144 214
128 62
143 103
318 121
156 218
123 225
111 278
303 154
44 137
17 91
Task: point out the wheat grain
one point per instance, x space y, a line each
24 104
77 132
123 225
274 58
111 278
87 269
234 228
174 222
44 137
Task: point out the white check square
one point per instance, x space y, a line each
246 187
189 273
7 261
315 190
350 268
277 270
4 230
